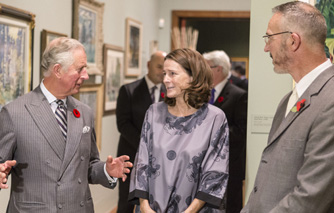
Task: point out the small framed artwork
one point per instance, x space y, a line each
113 76
16 51
92 95
133 47
87 28
235 61
46 37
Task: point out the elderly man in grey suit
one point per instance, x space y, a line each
47 140
296 172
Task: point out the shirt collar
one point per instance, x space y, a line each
51 98
219 87
150 84
307 80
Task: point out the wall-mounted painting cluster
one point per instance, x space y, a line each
108 66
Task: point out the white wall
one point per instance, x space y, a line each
266 88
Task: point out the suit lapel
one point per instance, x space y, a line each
281 123
225 93
74 132
41 112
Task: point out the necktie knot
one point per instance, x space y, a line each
60 103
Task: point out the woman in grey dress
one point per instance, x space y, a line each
182 160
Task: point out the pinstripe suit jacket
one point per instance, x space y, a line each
50 175
296 168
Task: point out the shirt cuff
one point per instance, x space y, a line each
112 180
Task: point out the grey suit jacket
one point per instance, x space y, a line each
296 172
51 175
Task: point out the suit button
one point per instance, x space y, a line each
58 183
79 180
60 206
82 203
82 158
255 189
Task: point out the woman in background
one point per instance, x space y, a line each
182 160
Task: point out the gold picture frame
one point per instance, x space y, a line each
87 28
16 44
113 76
242 61
46 37
133 48
92 95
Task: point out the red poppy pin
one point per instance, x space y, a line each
162 95
76 113
299 106
220 99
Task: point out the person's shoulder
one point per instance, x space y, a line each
134 84
22 100
236 89
216 111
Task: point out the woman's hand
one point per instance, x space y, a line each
145 206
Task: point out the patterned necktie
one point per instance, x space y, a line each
61 117
212 99
292 100
153 93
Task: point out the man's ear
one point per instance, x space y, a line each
295 41
56 69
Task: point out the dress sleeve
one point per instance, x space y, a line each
214 168
143 169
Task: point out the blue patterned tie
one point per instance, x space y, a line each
212 99
61 117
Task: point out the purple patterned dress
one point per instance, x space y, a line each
181 158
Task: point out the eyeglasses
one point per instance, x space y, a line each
267 37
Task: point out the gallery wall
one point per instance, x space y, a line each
56 15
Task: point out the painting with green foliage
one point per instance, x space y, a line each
326 7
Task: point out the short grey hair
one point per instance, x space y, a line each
219 58
60 52
304 19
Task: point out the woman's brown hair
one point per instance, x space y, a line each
195 65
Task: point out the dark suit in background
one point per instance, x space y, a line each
133 101
233 101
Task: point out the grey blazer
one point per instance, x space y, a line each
50 175
296 172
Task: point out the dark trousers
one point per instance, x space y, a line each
123 205
234 196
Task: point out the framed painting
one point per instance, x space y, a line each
133 47
113 76
92 95
46 37
236 61
87 28
16 52
326 7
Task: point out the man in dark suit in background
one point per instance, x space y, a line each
47 140
233 101
133 101
240 73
